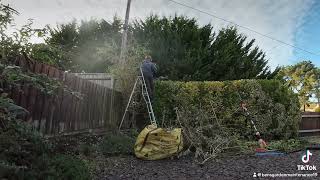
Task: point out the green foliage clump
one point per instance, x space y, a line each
274 108
303 78
68 167
15 41
288 145
15 76
86 149
90 46
50 54
114 144
127 74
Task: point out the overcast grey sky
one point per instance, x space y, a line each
281 19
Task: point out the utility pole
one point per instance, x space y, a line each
124 35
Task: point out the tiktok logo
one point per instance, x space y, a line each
306 158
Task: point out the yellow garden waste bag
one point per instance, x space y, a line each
157 143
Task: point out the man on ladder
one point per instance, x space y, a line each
149 70
145 79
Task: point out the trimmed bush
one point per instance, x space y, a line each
274 107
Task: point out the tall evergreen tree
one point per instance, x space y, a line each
85 45
232 57
182 49
178 44
185 51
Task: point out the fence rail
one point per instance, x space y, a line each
98 78
92 106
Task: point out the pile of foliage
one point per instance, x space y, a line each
210 113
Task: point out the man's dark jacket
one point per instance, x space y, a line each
149 69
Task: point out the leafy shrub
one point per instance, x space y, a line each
86 149
114 144
24 154
274 108
68 167
288 145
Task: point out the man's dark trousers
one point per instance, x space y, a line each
150 85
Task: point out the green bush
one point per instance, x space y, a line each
274 108
114 144
86 149
288 145
68 167
24 154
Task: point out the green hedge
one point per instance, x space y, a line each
274 107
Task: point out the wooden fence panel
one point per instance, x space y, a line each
310 123
24 96
68 103
98 106
84 105
44 116
32 104
40 102
78 105
38 68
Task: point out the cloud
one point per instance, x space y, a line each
277 18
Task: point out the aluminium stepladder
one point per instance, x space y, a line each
141 81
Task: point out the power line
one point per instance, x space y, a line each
244 27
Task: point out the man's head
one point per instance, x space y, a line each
148 58
258 136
